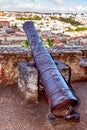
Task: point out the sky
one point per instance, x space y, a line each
75 6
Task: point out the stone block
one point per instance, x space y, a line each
64 69
83 65
83 62
28 81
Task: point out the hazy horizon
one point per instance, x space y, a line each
44 6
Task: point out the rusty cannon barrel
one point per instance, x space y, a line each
61 100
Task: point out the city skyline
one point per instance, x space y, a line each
79 6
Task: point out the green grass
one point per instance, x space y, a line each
80 29
70 20
77 29
30 18
54 18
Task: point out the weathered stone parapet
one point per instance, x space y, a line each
10 58
71 57
13 50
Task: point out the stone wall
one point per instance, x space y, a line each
10 57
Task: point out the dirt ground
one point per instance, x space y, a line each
16 114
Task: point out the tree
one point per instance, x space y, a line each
26 44
50 43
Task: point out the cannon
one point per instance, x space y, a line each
62 101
